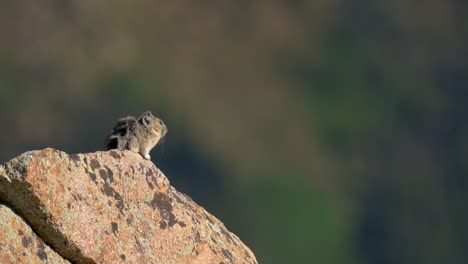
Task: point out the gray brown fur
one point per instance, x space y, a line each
138 134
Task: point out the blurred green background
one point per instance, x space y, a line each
318 131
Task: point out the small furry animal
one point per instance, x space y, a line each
138 134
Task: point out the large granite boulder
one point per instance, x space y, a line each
104 207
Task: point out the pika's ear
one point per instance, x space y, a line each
147 113
145 120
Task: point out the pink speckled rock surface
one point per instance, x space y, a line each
19 244
113 207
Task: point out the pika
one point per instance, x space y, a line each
138 134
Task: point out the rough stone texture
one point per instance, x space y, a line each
18 243
112 207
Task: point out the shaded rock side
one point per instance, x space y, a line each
113 207
19 244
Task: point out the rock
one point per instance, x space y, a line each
112 207
19 244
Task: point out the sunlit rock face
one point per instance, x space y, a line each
104 207
19 244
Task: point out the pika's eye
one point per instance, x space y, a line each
146 121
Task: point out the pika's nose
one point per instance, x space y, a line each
164 129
